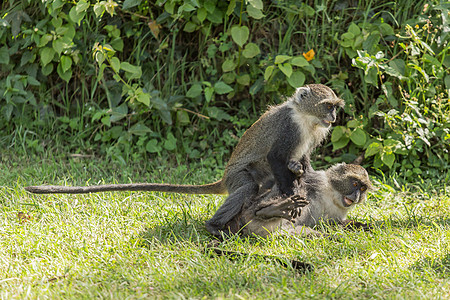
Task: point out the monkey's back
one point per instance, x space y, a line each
256 142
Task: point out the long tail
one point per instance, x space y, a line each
212 188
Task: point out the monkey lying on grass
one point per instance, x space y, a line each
318 196
271 148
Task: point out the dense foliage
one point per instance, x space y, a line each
145 79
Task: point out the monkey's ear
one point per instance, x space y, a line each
301 92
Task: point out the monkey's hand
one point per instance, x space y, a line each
296 167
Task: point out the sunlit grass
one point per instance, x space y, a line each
138 245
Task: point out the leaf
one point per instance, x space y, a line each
47 55
222 88
358 137
251 50
115 64
194 91
65 75
75 16
183 117
201 14
154 28
354 29
337 133
297 79
170 143
258 4
135 71
373 149
254 12
189 27
286 68
228 65
282 58
447 82
82 5
240 34
142 97
66 63
268 72
231 7
58 46
299 61
130 3
4 55
139 129
341 143
119 112
152 146
388 158
243 79
209 91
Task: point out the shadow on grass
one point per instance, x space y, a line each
440 265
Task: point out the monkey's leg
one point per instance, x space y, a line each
234 202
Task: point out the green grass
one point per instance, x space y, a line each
154 245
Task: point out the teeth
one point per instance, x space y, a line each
348 201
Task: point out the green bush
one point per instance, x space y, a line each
184 78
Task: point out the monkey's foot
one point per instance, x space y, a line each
287 208
296 167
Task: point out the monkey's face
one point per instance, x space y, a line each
351 181
326 113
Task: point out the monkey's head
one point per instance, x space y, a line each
318 101
351 182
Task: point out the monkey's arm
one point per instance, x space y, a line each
278 161
286 208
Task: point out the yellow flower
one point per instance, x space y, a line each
309 55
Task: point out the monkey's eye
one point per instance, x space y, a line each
329 106
363 189
355 183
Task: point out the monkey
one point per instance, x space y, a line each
275 146
319 196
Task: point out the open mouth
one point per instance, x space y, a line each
326 123
348 201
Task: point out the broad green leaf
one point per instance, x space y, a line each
337 133
240 34
268 72
231 7
258 4
297 79
228 65
194 91
64 75
388 158
115 64
201 14
119 112
353 123
282 58
130 3
358 137
243 79
341 143
170 143
386 29
139 129
135 71
299 61
254 12
251 50
354 29
142 97
447 82
222 88
82 5
286 68
4 55
209 91
58 46
66 63
183 117
373 149
152 146
47 69
210 5
75 16
47 55
189 27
